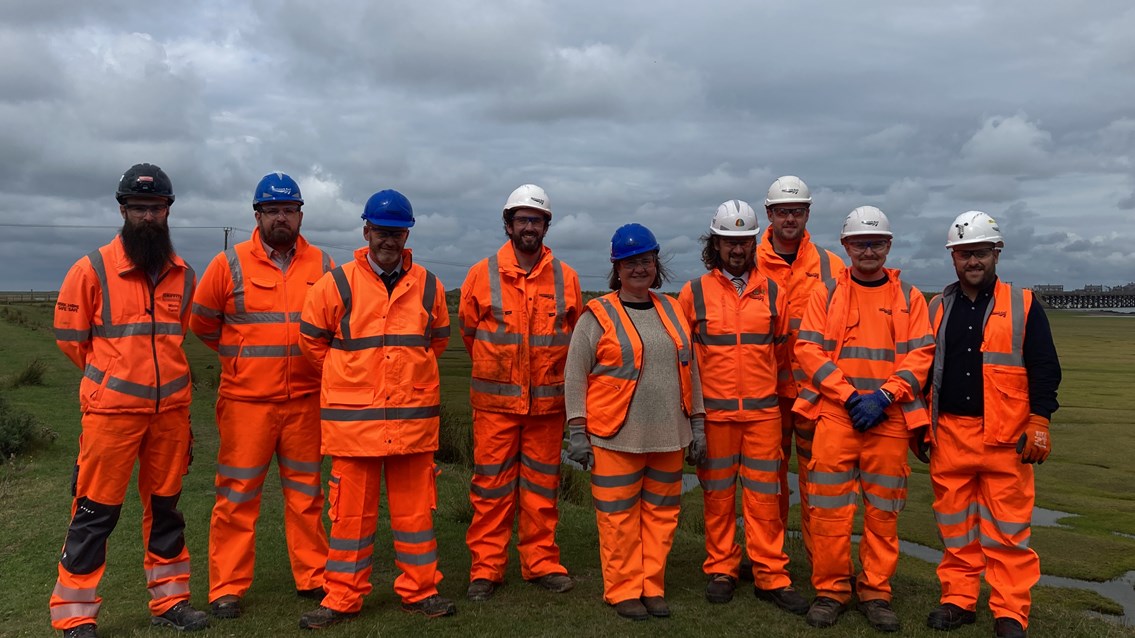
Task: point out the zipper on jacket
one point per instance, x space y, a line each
154 341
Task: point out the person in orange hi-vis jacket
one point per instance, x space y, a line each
799 267
517 311
739 322
247 308
993 391
375 327
866 348
121 317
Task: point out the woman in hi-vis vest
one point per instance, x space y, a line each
633 403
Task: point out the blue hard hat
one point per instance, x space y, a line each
630 240
276 187
389 208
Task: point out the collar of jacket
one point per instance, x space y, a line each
507 264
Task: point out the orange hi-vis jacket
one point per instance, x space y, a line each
741 343
248 311
618 361
844 352
813 268
1003 375
378 353
126 332
516 326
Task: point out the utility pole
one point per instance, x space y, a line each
228 229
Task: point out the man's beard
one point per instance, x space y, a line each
147 244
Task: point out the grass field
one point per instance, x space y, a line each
1089 474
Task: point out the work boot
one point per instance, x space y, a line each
656 606
315 593
720 588
880 614
1008 628
786 598
824 611
323 617
481 589
949 617
85 630
556 583
227 606
632 609
433 607
182 617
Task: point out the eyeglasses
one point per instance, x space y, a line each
641 262
141 210
785 213
862 245
383 234
980 253
528 221
282 211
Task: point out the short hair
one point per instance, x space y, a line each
662 274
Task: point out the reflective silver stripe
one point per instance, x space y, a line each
823 373
961 540
310 467
759 403
423 536
429 295
761 487
159 572
934 308
493 469
761 465
245 473
618 480
238 280
884 480
441 333
825 264
498 338
906 347
344 288
610 507
325 262
496 306
809 395
717 485
885 504
562 333
543 468
720 462
172 588
794 323
773 292
661 476
206 311
661 500
379 414
135 329
236 496
77 594
99 267
911 380
245 318
1003 358
816 477
74 610
721 404
260 352
799 375
494 492
986 541
627 369
868 354
866 383
547 493
917 403
831 502
302 488
700 327
416 559
72 335
755 338
380 341
547 391
314 332
136 389
547 341
958 517
1005 527
348 567
493 387
668 308
816 337
189 282
1015 357
350 544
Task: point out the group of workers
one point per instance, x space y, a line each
778 341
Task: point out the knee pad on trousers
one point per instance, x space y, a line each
824 526
84 551
882 523
167 532
766 510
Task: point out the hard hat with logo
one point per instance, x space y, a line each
389 208
630 240
866 220
735 218
144 180
788 190
974 227
529 196
276 187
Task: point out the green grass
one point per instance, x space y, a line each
1089 475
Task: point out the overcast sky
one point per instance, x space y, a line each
653 112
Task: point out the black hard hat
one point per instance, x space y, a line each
147 180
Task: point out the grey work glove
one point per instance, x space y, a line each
695 454
579 447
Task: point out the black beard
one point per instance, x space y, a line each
147 244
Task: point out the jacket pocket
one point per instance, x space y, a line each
348 396
493 368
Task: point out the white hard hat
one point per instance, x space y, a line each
529 196
974 227
788 190
866 220
735 218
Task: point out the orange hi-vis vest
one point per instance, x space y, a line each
812 270
378 353
248 311
1004 378
741 345
516 326
126 332
843 354
618 361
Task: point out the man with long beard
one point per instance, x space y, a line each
121 317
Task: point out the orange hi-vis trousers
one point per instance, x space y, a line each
983 503
516 466
794 426
411 495
108 448
751 450
636 499
843 462
251 433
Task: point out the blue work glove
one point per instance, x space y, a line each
869 411
579 446
696 453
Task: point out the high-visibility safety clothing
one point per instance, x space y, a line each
741 348
379 407
248 310
618 361
125 329
636 499
516 326
810 271
983 494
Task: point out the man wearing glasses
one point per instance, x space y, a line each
518 308
787 256
865 347
247 309
993 392
121 317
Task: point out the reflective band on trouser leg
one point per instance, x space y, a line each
411 522
661 496
805 430
301 477
496 457
616 491
541 439
163 460
955 465
833 491
883 473
718 478
760 483
353 493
